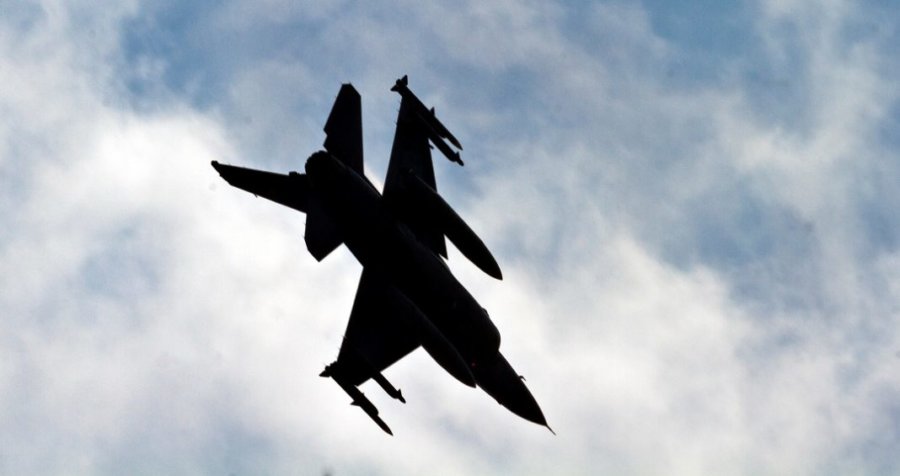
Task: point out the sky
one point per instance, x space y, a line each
693 208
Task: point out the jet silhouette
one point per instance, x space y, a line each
407 296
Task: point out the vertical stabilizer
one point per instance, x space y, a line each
343 129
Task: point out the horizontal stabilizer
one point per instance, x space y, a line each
289 190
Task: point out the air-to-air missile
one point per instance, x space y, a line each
436 131
360 400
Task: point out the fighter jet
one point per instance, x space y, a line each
407 297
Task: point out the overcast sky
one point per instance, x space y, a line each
693 207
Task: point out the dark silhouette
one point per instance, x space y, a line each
407 296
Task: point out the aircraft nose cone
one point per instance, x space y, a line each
499 380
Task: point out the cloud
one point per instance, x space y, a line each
700 266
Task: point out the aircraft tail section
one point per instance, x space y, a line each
343 140
343 129
290 190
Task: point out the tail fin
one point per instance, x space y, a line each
344 129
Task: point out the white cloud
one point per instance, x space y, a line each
691 283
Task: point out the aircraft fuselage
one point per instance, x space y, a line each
379 242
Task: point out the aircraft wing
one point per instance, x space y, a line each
376 334
384 327
411 192
411 155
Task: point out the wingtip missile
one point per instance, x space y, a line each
400 83
374 416
437 130
444 132
360 400
376 375
392 391
450 154
386 428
